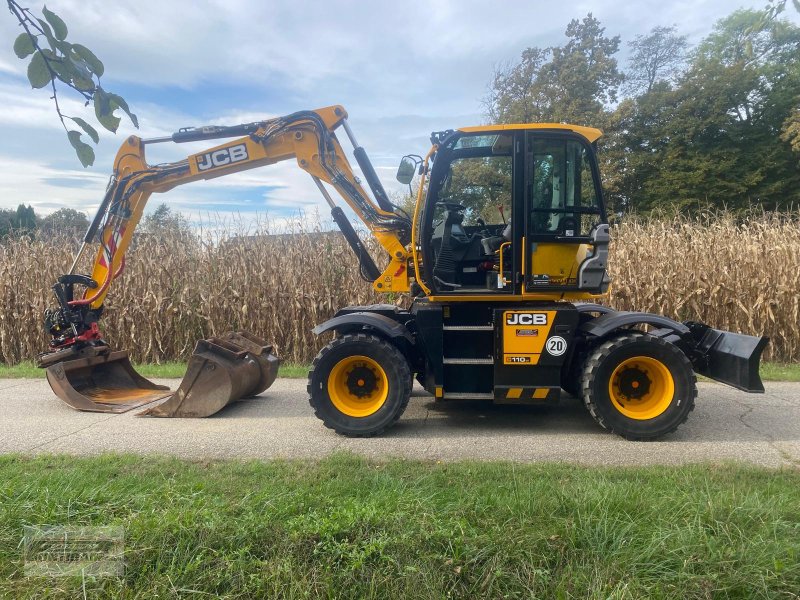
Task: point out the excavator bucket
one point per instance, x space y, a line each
102 381
221 370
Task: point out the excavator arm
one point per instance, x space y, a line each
309 137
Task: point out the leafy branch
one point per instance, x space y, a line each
55 61
776 7
790 132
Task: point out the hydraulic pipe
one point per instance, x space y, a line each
368 266
369 171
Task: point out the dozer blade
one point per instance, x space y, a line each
105 382
221 370
733 359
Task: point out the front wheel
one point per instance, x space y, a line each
359 385
638 386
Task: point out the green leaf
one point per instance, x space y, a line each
48 33
82 149
63 70
124 106
23 45
89 58
38 73
82 84
104 108
90 131
59 28
80 75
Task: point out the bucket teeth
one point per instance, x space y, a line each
221 370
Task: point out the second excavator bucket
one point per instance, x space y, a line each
221 370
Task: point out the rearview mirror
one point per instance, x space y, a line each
406 170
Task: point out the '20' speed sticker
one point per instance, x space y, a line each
556 345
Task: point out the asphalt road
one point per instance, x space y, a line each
763 429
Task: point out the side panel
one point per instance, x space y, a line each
531 346
523 335
428 320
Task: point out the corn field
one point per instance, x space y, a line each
736 274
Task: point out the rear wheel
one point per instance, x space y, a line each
638 386
359 385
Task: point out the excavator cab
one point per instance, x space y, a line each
515 210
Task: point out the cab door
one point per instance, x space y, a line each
565 222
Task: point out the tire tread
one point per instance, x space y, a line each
405 380
599 355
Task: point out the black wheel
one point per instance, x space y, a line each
638 386
359 385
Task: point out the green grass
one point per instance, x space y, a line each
780 372
27 370
347 528
769 371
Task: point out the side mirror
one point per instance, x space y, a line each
406 170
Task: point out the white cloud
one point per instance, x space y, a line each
402 70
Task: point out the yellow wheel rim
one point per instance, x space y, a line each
641 388
358 386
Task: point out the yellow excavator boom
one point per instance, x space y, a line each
81 367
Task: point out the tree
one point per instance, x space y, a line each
20 221
65 221
574 82
26 218
54 61
162 220
791 127
790 132
713 139
7 219
656 56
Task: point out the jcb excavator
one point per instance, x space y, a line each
505 252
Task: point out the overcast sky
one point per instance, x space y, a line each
402 69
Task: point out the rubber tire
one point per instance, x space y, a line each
391 361
601 363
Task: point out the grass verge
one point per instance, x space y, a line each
780 372
346 527
169 370
769 371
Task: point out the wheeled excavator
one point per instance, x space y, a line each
505 257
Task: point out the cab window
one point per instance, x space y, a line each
470 214
480 178
563 199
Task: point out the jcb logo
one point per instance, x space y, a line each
220 158
526 319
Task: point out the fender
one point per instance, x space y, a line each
365 320
605 324
589 307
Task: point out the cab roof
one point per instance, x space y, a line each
590 133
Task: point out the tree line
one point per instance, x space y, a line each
24 220
687 128
72 224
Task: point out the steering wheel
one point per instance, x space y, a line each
451 205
